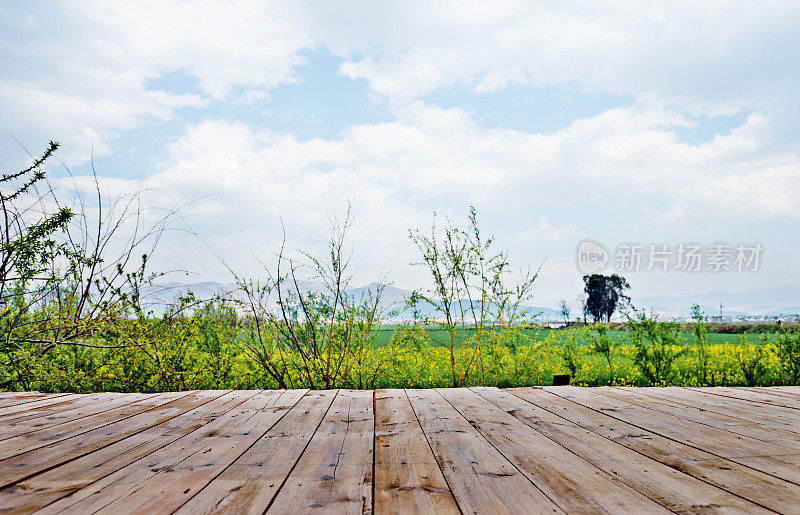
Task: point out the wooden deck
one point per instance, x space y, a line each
479 450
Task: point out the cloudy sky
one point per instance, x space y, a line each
558 121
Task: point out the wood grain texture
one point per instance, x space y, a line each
729 410
8 399
31 403
792 390
780 391
746 482
778 460
253 480
753 396
406 472
39 438
166 479
481 478
67 448
47 417
719 419
570 481
675 490
45 488
335 472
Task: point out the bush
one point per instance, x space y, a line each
603 344
788 347
657 347
700 330
572 353
751 359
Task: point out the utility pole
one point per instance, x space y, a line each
720 312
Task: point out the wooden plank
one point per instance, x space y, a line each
673 489
45 407
167 478
786 389
772 390
47 487
751 396
250 483
570 481
482 480
775 417
712 396
771 459
42 437
695 413
407 477
334 474
8 399
763 489
50 418
26 464
25 404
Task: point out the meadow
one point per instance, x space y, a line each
726 353
384 334
210 350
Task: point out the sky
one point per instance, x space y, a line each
624 123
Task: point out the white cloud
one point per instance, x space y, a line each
669 214
84 72
80 72
432 152
547 232
249 179
712 57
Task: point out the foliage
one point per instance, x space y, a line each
203 349
751 360
470 296
602 344
60 283
700 331
657 347
27 248
571 353
788 349
311 339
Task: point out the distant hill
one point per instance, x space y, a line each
392 302
782 300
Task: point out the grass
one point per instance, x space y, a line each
557 337
189 355
501 367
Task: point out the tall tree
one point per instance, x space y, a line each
603 294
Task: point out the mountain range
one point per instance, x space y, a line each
777 301
781 300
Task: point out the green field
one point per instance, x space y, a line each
728 354
207 351
384 336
